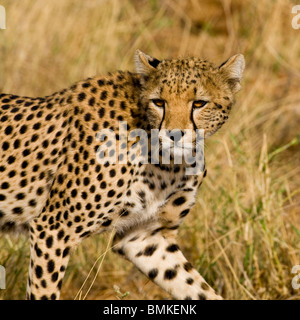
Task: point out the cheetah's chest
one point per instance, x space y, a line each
149 194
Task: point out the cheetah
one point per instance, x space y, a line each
55 186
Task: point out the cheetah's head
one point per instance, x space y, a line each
188 93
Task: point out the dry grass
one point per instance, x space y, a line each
244 234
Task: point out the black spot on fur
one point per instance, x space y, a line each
38 272
170 274
149 250
49 242
50 266
153 273
184 213
179 201
172 248
201 296
81 96
187 266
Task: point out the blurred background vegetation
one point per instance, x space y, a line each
244 233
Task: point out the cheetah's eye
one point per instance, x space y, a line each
199 103
159 103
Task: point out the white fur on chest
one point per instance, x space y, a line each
155 198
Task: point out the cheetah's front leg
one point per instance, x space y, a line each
49 255
155 252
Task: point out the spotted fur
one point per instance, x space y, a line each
52 185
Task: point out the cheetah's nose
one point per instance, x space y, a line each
175 135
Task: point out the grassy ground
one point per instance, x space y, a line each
244 233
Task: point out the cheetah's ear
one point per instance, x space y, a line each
144 64
233 69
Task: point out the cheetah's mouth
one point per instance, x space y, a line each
178 150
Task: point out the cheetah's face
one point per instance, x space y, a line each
188 94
